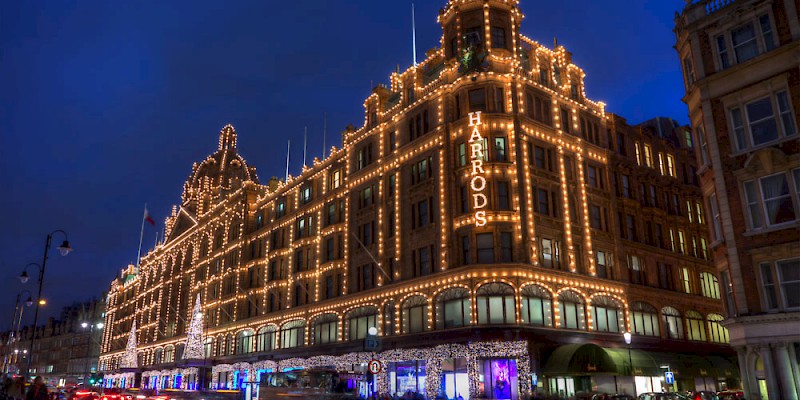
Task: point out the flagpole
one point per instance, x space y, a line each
141 235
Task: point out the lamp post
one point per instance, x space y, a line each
628 337
64 249
15 321
86 364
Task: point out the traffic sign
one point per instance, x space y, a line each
375 366
535 379
372 343
670 377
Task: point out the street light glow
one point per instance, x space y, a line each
627 336
42 302
84 324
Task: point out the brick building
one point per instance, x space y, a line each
64 351
740 64
487 217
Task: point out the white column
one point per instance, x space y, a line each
789 387
744 371
769 372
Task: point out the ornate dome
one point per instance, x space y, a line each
221 173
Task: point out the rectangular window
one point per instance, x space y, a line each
392 141
766 32
506 247
423 217
565 121
648 155
701 138
761 121
626 186
636 269
768 285
329 249
465 254
777 198
671 166
738 128
499 100
688 71
498 36
595 220
786 115
336 179
425 262
789 277
500 151
716 231
744 42
503 202
688 138
661 165
603 264
722 50
681 242
477 100
550 253
543 203
630 223
686 281
462 154
591 176
485 243
544 76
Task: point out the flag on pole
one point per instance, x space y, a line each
148 218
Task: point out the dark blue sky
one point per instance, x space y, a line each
105 105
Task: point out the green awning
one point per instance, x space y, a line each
593 359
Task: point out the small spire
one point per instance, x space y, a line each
227 138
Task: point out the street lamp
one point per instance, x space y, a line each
89 341
628 337
15 321
64 249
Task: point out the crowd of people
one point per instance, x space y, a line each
18 389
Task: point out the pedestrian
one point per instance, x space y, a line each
17 389
37 391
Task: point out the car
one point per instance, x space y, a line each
731 395
661 396
84 394
606 396
704 395
116 394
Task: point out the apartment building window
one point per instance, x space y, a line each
762 121
364 155
604 264
421 170
392 141
544 76
506 243
499 99
686 280
305 195
661 165
423 214
498 36
500 151
688 70
543 158
368 233
746 41
463 199
626 186
565 120
423 263
591 176
392 185
728 288
648 155
366 197
781 284
682 242
538 108
280 209
551 253
477 100
671 166
503 200
485 244
630 224
466 259
636 269
709 285
689 211
716 231
701 138
665 277
335 179
462 155
330 249
621 144
595 221
773 204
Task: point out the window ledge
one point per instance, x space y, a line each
754 149
775 228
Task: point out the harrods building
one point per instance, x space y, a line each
488 218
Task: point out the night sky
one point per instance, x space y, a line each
105 105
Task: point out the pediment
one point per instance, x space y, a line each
766 161
184 221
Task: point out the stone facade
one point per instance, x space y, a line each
740 63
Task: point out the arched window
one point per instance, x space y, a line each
360 320
179 349
265 341
572 310
672 322
537 306
695 326
244 342
608 314
159 359
716 332
292 334
644 319
495 304
453 308
208 347
169 354
229 344
415 314
326 329
710 285
389 321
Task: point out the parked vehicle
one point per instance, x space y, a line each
662 396
606 396
731 395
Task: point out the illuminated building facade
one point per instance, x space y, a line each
740 63
492 222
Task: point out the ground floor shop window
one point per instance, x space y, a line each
498 378
407 376
455 379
